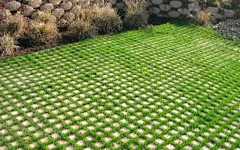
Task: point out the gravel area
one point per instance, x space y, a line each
230 27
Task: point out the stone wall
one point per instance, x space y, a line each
2 3
62 9
180 9
30 8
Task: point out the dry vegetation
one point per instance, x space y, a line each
137 16
12 25
91 20
39 33
79 30
46 18
7 45
11 29
204 18
42 30
106 19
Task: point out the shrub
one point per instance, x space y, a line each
42 30
204 18
137 16
12 25
136 20
46 18
136 5
39 33
7 45
99 15
79 30
105 19
81 12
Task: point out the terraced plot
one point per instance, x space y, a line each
168 87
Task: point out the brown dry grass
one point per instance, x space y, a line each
39 33
7 45
204 18
13 25
137 16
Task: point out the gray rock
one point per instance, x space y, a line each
58 12
34 15
163 15
183 11
27 10
194 7
218 16
47 7
228 13
69 17
66 5
35 3
62 23
164 7
157 2
212 10
55 2
120 5
175 4
174 14
76 11
113 2
13 6
190 16
74 1
24 1
154 10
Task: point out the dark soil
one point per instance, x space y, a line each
155 20
23 51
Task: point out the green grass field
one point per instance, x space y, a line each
173 86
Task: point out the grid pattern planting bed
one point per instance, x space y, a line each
174 86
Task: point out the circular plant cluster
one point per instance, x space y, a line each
230 28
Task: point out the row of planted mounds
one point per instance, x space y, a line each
90 20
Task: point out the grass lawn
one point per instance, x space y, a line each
168 87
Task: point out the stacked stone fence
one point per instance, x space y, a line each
62 9
183 9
